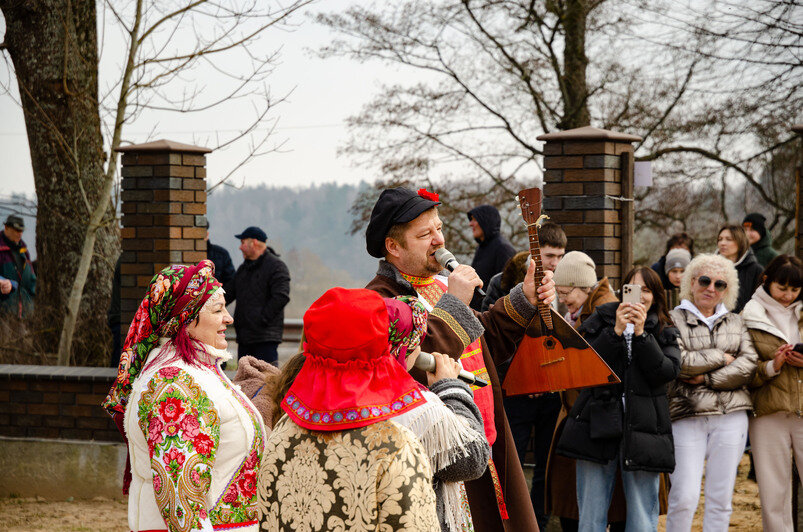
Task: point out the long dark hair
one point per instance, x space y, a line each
784 270
655 286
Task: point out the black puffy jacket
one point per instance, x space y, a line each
262 289
646 432
494 250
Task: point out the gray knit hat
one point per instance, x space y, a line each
576 269
677 258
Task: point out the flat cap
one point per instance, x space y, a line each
253 232
16 222
395 206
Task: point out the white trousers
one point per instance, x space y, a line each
719 440
774 439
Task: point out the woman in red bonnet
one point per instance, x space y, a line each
337 460
195 441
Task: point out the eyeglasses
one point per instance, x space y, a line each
705 280
563 292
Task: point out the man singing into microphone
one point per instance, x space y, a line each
405 231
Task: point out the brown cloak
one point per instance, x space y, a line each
452 326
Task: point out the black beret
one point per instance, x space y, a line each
394 206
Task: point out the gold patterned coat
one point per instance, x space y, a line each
375 478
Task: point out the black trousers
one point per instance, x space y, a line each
524 414
267 351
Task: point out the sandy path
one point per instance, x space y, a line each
109 515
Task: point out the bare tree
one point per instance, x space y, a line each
741 145
54 48
493 75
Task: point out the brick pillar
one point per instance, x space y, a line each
585 169
798 128
164 214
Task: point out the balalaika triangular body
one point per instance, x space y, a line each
552 356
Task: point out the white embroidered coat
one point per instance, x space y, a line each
195 443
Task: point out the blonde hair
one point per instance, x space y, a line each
708 263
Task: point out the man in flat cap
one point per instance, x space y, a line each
404 232
261 287
17 279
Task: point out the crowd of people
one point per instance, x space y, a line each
351 434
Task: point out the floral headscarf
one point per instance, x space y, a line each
408 325
175 297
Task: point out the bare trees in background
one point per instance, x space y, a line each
738 155
183 56
712 87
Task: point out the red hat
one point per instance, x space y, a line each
349 378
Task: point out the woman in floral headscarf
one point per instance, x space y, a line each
449 425
337 460
195 442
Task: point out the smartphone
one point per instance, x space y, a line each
798 348
631 293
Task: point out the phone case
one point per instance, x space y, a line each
631 293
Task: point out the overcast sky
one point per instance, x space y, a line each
324 93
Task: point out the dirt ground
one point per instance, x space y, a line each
109 515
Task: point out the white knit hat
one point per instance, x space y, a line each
576 269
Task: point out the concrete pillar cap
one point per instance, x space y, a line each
588 133
162 146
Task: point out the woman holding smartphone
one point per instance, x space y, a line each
709 401
626 426
772 317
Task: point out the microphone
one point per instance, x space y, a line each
447 260
426 362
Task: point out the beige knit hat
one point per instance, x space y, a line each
576 269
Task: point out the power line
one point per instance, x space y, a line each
160 132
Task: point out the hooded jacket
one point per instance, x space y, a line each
763 250
702 353
494 250
645 432
749 271
782 391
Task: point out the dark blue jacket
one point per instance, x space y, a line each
224 269
15 265
262 289
494 250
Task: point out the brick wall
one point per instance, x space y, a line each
56 402
164 207
583 176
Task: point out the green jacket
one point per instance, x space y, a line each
20 300
764 251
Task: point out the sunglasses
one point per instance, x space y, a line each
719 286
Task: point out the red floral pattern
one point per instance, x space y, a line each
182 429
175 296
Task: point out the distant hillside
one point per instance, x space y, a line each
308 227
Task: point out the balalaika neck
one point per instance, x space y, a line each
535 253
